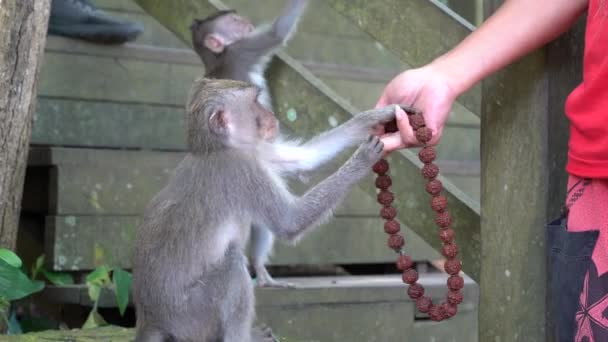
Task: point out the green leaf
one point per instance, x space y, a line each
58 278
94 291
122 285
10 257
14 284
94 320
96 280
100 276
38 266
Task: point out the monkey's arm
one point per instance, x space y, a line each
290 217
262 42
292 158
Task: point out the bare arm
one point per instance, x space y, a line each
263 42
517 28
293 157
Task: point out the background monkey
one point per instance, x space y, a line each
190 277
231 48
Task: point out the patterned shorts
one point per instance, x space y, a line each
578 263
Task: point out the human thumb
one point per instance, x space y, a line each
405 129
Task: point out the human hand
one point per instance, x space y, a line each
428 90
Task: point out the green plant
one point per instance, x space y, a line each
14 284
114 279
56 278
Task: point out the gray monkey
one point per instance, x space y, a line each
191 281
231 48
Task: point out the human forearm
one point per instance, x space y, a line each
517 28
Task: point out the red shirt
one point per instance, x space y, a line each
587 106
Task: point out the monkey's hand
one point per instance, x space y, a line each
373 117
368 153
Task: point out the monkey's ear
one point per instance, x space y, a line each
215 42
218 121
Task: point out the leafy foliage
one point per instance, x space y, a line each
10 257
56 278
114 279
14 284
122 286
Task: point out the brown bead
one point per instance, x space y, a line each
455 282
455 297
415 291
433 187
423 304
404 262
381 167
388 213
447 235
416 121
396 241
450 250
452 266
443 220
449 310
391 227
430 171
410 276
436 313
391 127
383 182
424 135
385 197
439 203
427 155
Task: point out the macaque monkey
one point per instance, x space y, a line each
231 48
191 281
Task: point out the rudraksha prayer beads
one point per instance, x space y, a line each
430 171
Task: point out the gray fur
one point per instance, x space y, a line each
246 60
190 277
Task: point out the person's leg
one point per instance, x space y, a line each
569 259
590 213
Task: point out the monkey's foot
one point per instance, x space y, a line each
271 283
263 334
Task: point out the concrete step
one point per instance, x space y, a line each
348 308
91 200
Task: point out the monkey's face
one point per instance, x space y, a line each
266 124
217 34
243 121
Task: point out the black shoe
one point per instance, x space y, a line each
80 19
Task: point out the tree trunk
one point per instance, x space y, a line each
23 27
